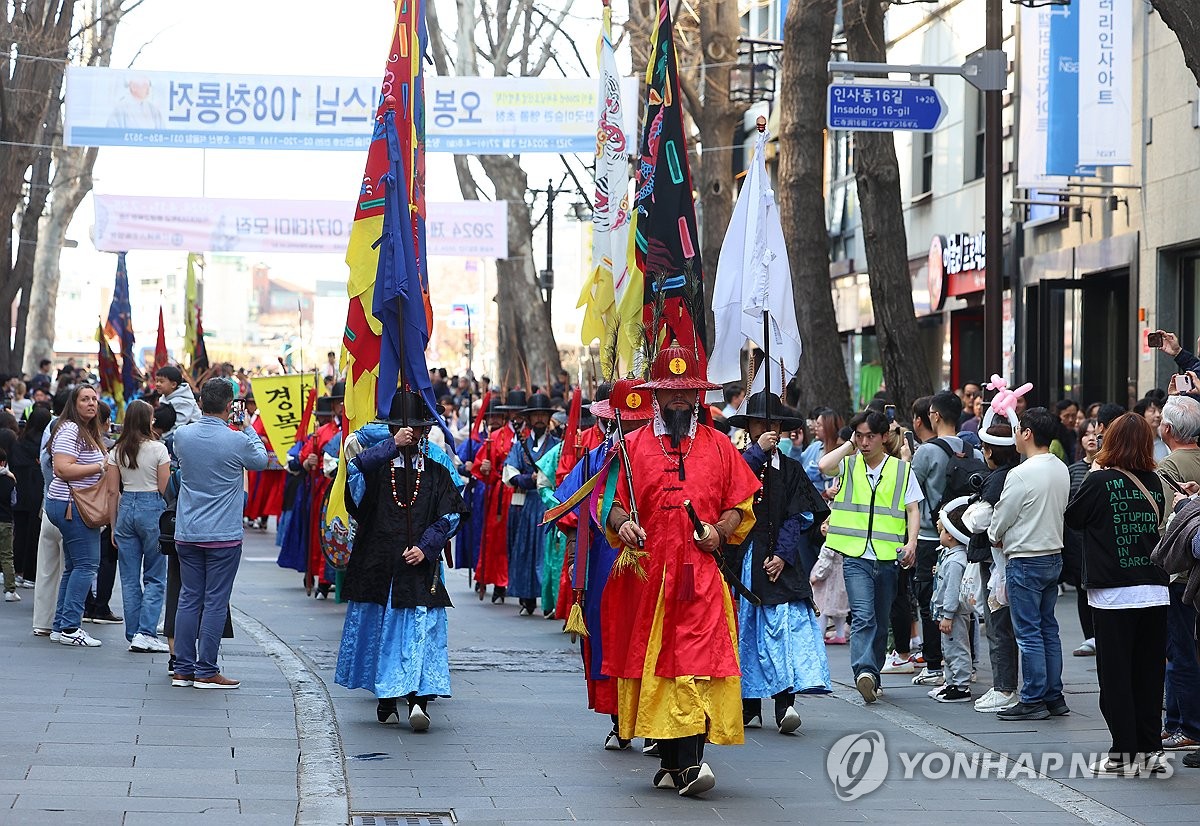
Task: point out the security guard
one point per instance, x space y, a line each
875 518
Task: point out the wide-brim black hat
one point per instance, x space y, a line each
338 391
514 402
324 405
408 409
766 407
539 403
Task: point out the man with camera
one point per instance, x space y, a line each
213 460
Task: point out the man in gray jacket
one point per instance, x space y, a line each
213 460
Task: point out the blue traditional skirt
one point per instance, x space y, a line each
526 548
781 647
394 652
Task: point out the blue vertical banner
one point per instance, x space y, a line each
1062 138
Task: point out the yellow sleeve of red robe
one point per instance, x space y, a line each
746 508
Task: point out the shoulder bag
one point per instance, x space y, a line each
95 503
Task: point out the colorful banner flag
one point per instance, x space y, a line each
362 337
190 303
160 344
604 291
753 277
119 326
281 401
199 364
110 372
665 244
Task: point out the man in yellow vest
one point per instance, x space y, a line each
874 521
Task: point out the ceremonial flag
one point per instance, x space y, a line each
402 81
120 326
160 345
400 301
190 301
110 371
572 446
200 359
753 276
665 250
603 293
282 407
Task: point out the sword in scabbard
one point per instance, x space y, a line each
700 533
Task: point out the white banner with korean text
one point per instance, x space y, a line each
1106 83
1034 100
202 110
469 229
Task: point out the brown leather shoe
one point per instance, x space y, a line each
215 681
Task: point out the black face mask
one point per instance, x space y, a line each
678 423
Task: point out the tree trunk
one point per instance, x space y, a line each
807 33
877 173
1183 18
526 345
720 123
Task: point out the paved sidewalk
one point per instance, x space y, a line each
100 737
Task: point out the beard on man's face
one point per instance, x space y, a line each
539 430
678 423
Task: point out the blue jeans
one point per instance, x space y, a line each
205 582
81 559
143 568
1032 595
1183 668
870 587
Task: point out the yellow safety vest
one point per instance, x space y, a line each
861 513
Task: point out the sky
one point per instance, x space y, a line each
349 38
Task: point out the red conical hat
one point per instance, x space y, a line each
676 368
634 403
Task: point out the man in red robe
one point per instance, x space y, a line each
488 467
670 637
264 488
312 459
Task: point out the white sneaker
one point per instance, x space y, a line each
995 701
12 596
898 664
1155 762
927 677
145 644
78 637
55 636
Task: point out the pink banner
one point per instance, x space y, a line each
476 229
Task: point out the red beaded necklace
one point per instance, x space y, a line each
416 489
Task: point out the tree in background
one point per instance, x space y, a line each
807 34
1183 18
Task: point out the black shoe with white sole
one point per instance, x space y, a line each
696 780
387 712
417 718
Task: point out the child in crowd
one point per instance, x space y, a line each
951 605
8 498
829 592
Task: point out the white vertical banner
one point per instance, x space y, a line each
1034 97
1106 82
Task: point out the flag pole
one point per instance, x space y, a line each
761 123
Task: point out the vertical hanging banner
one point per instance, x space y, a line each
1062 127
1034 99
1106 83
280 405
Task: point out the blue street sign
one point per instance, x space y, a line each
884 107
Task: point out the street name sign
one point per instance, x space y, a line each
884 107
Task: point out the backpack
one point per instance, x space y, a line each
961 469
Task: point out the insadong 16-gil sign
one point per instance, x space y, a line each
866 106
207 110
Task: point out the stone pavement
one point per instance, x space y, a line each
98 736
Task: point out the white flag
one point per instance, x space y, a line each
753 276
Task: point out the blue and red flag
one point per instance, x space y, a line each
120 326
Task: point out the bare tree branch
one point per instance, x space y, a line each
548 47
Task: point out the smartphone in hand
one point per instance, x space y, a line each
1154 340
1184 383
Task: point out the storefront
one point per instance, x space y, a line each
1078 325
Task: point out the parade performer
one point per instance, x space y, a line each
492 568
668 621
312 460
526 535
588 570
394 641
293 524
470 533
264 488
781 643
